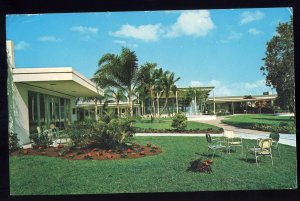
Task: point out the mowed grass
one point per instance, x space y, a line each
166 172
247 121
166 124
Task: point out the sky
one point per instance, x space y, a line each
222 47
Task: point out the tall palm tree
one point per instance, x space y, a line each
168 85
156 88
118 95
119 71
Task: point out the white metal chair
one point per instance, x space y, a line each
263 148
231 140
214 145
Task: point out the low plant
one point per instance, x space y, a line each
200 165
40 140
179 122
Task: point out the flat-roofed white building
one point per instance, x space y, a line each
39 97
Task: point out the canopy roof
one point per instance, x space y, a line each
63 80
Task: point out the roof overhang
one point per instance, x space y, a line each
231 99
63 80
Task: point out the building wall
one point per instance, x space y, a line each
21 113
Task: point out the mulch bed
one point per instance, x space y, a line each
90 154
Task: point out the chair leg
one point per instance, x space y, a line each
272 160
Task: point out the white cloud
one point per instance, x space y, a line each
85 30
147 32
22 45
247 17
232 36
238 88
191 23
49 39
125 44
196 84
254 31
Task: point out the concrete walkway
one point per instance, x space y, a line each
288 139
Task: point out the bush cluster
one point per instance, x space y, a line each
179 122
40 139
283 127
108 133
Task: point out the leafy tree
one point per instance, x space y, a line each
168 85
119 71
279 65
143 90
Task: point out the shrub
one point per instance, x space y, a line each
179 122
40 140
80 131
275 136
13 142
112 134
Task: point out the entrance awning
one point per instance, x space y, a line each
63 80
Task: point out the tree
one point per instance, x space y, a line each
143 90
279 65
168 85
119 71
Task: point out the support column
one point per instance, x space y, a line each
232 106
157 99
195 102
176 102
214 101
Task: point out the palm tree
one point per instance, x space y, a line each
149 78
118 95
119 71
168 85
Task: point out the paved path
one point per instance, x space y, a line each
288 139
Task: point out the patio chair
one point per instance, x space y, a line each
275 139
214 145
232 141
58 134
263 148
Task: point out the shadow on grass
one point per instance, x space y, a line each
248 160
209 155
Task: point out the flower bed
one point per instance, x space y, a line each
136 151
199 131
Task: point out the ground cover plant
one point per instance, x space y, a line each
164 125
133 151
165 172
263 122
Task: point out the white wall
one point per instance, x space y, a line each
21 109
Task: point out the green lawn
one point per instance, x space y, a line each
265 122
165 172
165 123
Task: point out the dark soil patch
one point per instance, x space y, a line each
90 154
